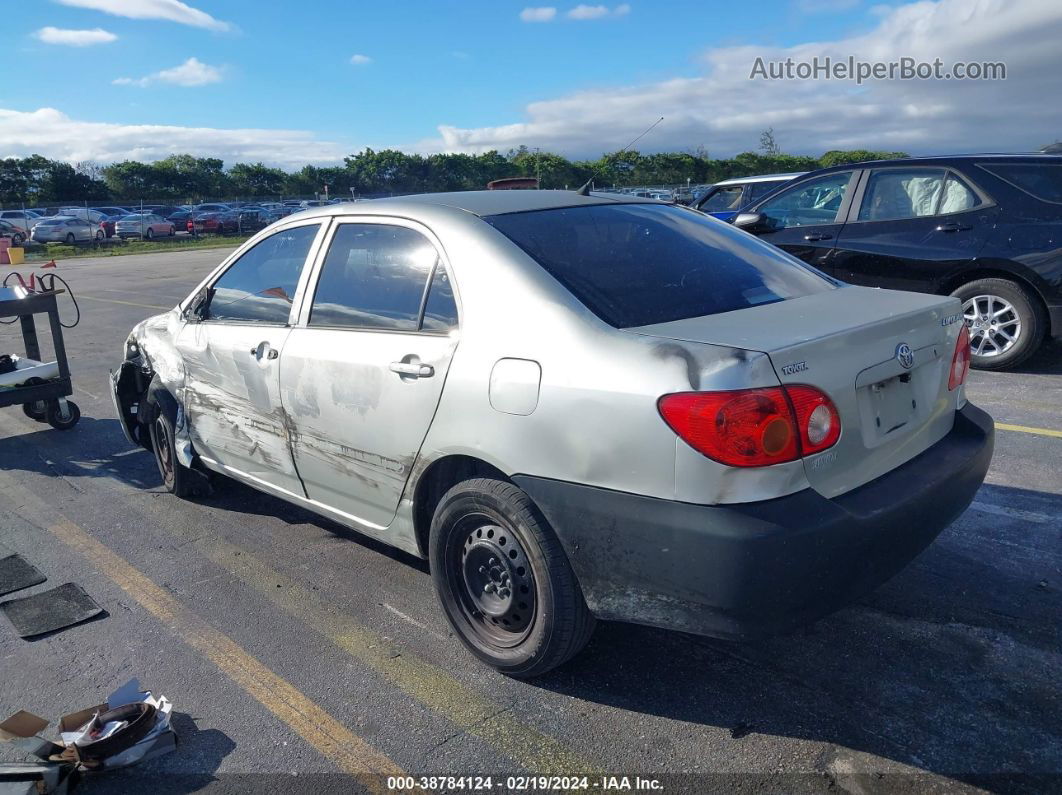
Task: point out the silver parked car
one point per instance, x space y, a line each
574 407
64 229
145 225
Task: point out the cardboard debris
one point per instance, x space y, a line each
26 729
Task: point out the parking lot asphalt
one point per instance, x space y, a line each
298 653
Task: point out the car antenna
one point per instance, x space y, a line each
585 190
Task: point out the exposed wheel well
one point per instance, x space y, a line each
439 478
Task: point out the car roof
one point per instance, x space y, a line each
760 178
480 202
994 157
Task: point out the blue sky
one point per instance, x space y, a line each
474 68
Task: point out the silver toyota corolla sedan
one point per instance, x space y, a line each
574 407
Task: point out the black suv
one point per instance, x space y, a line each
985 228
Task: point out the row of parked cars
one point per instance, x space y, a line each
85 224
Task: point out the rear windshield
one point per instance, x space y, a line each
638 264
1042 180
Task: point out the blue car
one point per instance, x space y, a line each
724 199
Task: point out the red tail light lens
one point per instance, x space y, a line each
960 360
754 427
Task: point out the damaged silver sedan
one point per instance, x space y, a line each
575 407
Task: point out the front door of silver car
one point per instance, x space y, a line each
362 372
231 358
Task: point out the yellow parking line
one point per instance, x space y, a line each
124 303
419 679
1027 429
347 751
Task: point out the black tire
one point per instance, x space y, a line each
1026 321
504 581
17 240
100 234
37 410
177 478
56 418
173 231
149 234
70 239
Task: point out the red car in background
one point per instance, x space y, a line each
213 223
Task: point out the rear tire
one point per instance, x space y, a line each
149 234
1007 322
503 580
70 239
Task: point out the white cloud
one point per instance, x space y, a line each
360 60
725 111
538 14
55 135
582 12
170 10
192 72
588 12
75 38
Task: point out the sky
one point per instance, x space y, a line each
290 83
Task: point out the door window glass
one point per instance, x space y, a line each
898 193
957 196
814 202
373 277
260 285
440 310
722 199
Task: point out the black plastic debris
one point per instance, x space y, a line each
51 610
17 573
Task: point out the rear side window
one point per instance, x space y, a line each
757 190
260 285
722 199
374 277
1042 180
638 264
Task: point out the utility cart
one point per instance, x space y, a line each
41 387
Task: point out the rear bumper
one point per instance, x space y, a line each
754 569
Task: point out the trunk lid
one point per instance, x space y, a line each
847 343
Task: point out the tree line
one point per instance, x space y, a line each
38 181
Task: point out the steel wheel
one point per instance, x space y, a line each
493 581
163 444
994 323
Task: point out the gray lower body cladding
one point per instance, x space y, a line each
754 569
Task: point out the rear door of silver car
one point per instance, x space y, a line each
362 372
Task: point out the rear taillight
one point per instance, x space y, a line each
754 427
960 360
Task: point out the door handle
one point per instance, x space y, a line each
813 236
413 369
267 350
953 227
